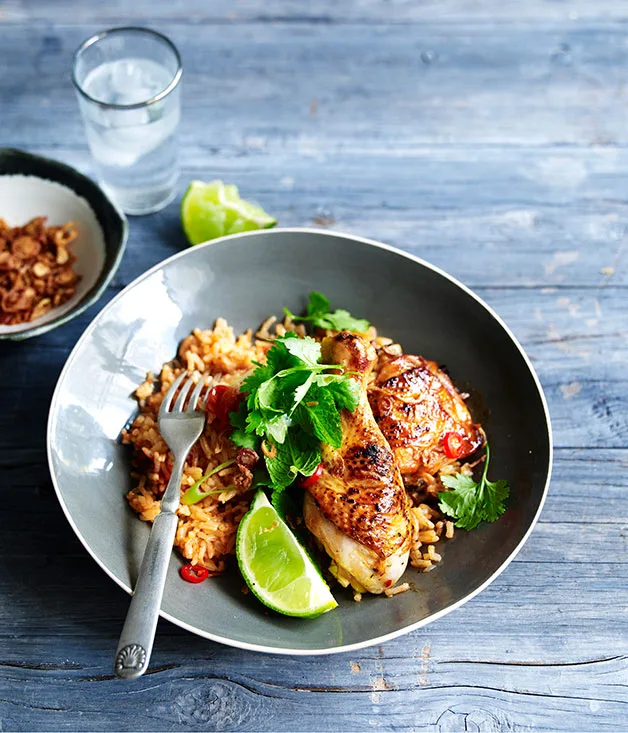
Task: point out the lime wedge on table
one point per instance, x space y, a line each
211 210
276 567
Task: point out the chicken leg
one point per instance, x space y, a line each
358 508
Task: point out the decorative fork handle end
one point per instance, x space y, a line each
136 640
131 662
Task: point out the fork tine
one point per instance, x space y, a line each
196 394
183 394
167 400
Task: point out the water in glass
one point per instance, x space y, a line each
134 149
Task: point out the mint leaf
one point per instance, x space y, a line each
306 452
279 466
322 411
470 503
346 392
300 453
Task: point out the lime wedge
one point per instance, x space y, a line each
210 210
276 567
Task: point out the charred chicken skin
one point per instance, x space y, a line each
358 508
420 413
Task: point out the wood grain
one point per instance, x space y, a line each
490 139
325 12
388 85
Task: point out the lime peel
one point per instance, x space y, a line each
276 567
214 209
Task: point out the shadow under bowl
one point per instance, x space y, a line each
245 278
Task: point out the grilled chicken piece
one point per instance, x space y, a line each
358 508
416 405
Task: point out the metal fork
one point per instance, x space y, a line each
180 427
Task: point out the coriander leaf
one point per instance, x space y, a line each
320 315
322 411
239 435
244 440
238 418
306 349
266 395
495 495
471 503
251 384
318 305
342 320
293 404
461 502
255 423
277 358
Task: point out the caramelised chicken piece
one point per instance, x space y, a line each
422 415
358 508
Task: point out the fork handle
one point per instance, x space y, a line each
138 633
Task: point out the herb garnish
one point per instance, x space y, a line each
319 315
471 503
293 403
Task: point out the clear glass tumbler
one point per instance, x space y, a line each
127 83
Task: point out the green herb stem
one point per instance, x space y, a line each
194 494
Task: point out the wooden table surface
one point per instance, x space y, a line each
487 137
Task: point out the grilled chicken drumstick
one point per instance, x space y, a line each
358 508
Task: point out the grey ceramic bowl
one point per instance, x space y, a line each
30 186
245 278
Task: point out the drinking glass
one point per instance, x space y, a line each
127 83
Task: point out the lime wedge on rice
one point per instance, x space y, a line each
276 567
211 210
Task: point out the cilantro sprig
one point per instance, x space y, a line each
319 314
293 403
470 503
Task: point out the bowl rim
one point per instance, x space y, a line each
100 286
280 650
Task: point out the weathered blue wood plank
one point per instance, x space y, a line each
324 11
488 138
490 220
412 686
348 85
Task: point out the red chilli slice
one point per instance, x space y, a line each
193 573
309 481
456 445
